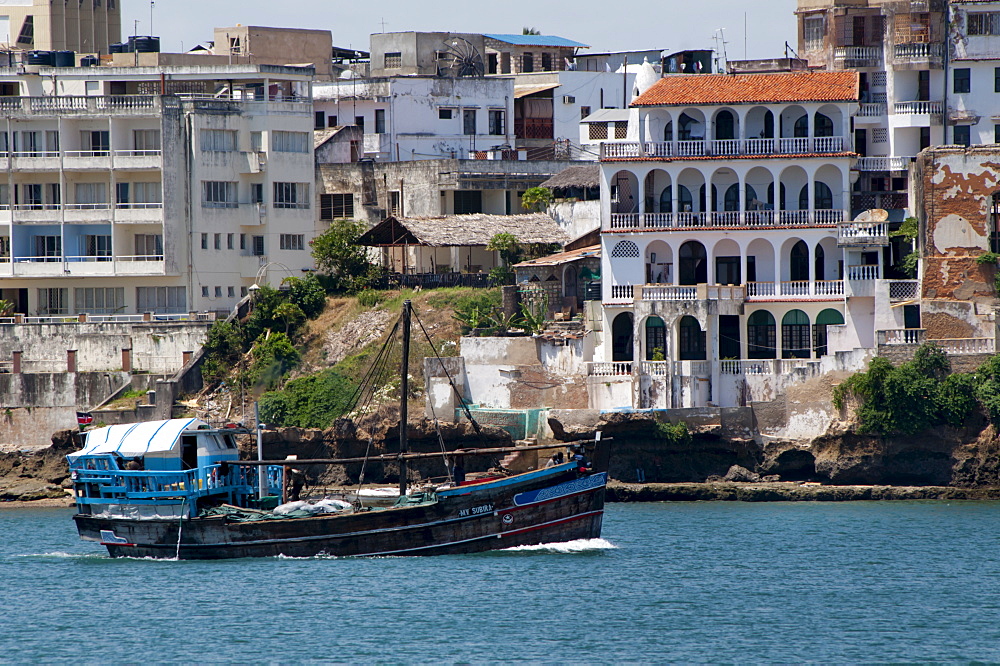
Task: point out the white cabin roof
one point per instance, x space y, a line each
137 439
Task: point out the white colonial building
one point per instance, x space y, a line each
729 254
163 189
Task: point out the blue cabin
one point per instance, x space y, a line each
164 468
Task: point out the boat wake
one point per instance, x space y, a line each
576 546
58 554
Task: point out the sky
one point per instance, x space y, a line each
671 25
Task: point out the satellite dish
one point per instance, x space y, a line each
873 215
461 59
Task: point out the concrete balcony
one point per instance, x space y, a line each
35 161
66 105
621 294
139 213
753 219
863 234
917 114
711 148
96 212
930 54
87 160
851 57
82 266
36 213
795 290
882 164
138 160
871 114
773 366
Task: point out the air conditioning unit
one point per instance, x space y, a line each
569 99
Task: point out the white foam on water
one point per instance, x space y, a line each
61 554
575 546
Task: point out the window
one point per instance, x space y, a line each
621 129
92 195
394 207
5 247
527 63
256 193
963 80
256 141
31 196
692 341
761 335
497 125
380 121
336 206
444 114
48 248
99 300
290 142
217 140
319 120
996 134
218 292
93 245
258 246
147 193
161 299
984 23
393 60
52 141
231 292
331 121
292 241
146 140
52 301
963 135
360 122
468 121
95 143
291 195
795 335
812 33
230 238
148 247
27 35
243 241
218 241
468 201
204 241
584 112
243 292
204 291
996 79
218 194
546 62
880 135
598 131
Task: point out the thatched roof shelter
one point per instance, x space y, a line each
584 177
462 230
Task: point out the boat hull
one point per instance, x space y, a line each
492 516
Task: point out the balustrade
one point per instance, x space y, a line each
609 369
918 108
901 336
723 219
722 147
621 292
960 346
863 272
653 368
669 293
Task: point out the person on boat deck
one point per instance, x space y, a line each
135 464
296 479
458 470
579 458
556 459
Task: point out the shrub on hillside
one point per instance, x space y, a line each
314 401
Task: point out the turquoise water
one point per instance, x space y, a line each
681 582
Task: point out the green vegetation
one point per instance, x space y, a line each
909 230
474 310
536 199
6 307
919 394
338 255
675 433
222 351
987 259
314 401
273 355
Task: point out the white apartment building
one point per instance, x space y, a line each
165 189
405 118
731 264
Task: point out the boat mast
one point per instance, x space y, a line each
404 390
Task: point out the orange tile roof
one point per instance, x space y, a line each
698 89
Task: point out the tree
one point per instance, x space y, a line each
536 199
510 252
290 313
307 293
6 307
909 231
337 253
530 31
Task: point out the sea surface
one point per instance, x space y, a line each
671 582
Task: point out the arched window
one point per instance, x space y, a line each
693 264
732 199
795 335
824 126
625 248
656 339
761 338
621 338
667 199
689 128
668 131
715 199
824 196
768 125
804 198
691 343
801 128
798 262
820 263
725 125
828 317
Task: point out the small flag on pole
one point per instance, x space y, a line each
84 418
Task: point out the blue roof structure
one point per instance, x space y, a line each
537 40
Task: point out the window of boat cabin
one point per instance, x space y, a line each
189 451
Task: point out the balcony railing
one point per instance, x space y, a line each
776 366
533 128
901 336
918 52
669 293
795 290
885 200
871 110
882 163
861 234
653 368
918 108
726 219
622 293
960 346
863 272
846 57
723 147
612 369
78 104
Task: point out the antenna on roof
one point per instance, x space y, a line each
720 40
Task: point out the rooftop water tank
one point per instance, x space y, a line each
89 61
39 58
117 47
146 44
64 58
